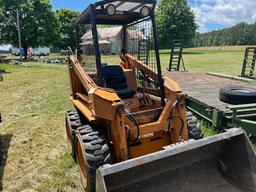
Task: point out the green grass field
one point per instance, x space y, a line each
33 101
226 60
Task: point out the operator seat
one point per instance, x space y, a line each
114 78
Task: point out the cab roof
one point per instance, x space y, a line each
127 11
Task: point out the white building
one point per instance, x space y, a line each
110 40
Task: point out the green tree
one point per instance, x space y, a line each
240 34
175 20
252 34
37 23
66 28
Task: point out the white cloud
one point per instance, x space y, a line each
223 12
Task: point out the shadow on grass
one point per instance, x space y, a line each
5 141
3 71
184 53
193 53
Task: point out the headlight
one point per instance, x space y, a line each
111 9
145 11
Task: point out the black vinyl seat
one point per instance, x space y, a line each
114 78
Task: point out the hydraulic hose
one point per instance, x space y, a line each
177 117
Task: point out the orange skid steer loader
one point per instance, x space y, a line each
129 129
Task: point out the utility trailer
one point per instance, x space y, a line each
203 99
129 129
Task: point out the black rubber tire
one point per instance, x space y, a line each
194 127
73 121
95 154
238 95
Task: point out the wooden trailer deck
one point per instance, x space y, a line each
204 88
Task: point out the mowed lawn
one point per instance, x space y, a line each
33 100
225 60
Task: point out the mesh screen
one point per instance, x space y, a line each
141 46
141 43
88 50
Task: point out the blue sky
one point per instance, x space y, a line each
216 14
210 14
78 5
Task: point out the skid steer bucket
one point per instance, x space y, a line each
225 162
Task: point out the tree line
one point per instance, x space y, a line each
39 24
240 34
